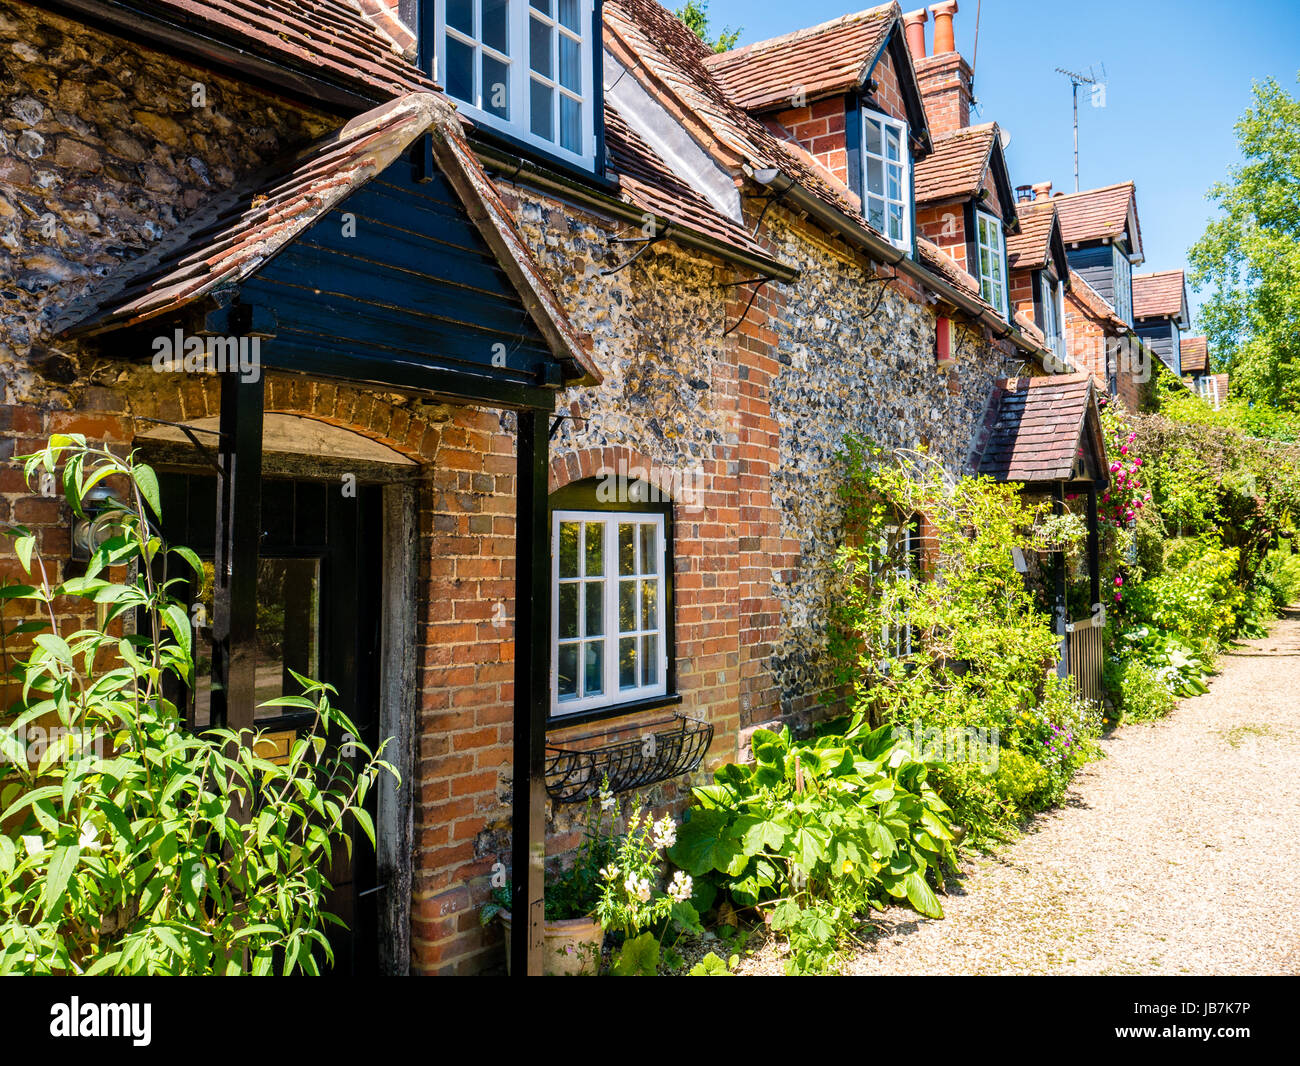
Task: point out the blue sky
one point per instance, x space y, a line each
1178 76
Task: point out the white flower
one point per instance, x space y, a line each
89 838
606 800
34 845
630 884
681 888
643 890
665 832
609 872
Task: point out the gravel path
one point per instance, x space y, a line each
1175 854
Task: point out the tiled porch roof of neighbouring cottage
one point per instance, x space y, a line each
1042 430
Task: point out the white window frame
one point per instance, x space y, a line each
997 254
613 696
1050 293
520 14
1122 288
904 163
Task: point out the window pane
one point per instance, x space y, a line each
626 551
570 124
593 654
567 671
895 183
493 27
891 143
570 63
539 46
571 14
876 213
460 14
627 606
460 70
595 549
569 549
627 662
895 223
542 5
650 604
595 608
496 86
875 176
650 660
873 137
649 557
540 119
568 610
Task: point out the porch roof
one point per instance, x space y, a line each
238 234
1042 430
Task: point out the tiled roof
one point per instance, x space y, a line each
1194 355
956 166
330 39
1031 248
386 15
833 57
227 242
1095 304
1158 295
648 182
1096 213
1037 428
673 59
935 257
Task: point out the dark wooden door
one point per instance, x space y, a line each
318 614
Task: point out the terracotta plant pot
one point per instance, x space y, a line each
572 946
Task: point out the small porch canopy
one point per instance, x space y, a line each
1045 434
381 254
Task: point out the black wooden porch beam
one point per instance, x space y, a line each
239 519
1094 547
532 693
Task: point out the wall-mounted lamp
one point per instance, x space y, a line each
103 519
943 343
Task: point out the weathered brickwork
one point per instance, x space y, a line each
819 129
945 82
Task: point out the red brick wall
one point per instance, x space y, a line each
945 225
1085 342
887 96
945 82
819 128
1021 295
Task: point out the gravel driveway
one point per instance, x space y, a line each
1174 854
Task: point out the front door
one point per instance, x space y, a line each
319 583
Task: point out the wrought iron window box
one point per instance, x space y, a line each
574 775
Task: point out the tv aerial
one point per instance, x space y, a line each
1077 79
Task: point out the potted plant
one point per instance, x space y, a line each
572 934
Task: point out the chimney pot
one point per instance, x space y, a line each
943 38
1042 190
914 27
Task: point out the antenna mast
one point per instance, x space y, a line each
1075 81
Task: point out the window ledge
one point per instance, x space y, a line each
597 714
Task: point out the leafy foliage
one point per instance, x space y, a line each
696 16
1250 255
132 846
814 831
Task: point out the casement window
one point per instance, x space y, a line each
1053 314
610 614
887 178
897 640
990 257
524 67
1123 285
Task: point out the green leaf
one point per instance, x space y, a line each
62 862
710 966
920 896
23 548
147 482
637 958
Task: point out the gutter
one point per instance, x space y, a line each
513 168
880 249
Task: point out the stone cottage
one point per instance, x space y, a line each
555 357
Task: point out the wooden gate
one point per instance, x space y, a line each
1084 657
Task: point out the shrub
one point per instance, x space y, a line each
1195 595
1143 694
132 846
815 831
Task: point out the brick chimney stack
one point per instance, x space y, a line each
945 77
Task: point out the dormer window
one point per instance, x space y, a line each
990 255
524 68
1053 314
1123 285
887 178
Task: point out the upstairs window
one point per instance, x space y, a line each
887 178
523 67
991 259
1053 314
1123 285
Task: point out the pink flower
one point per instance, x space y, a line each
1118 597
1118 581
1123 449
1137 462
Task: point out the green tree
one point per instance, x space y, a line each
696 15
1250 255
